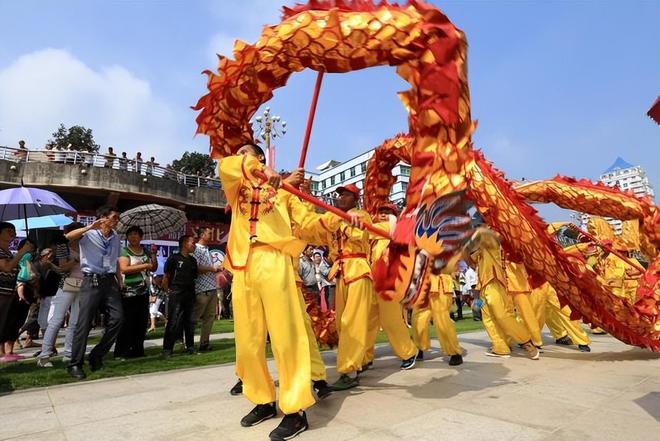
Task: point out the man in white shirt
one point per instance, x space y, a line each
469 289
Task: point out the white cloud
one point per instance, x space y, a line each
42 89
239 20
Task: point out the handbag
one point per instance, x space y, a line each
72 284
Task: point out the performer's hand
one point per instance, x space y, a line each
356 221
296 177
274 178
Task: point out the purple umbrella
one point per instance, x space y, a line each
26 202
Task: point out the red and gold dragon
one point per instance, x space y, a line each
430 53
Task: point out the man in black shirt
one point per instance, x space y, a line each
179 282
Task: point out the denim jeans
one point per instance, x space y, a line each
44 308
58 308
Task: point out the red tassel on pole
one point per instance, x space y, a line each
310 120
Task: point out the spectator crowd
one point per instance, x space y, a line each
88 279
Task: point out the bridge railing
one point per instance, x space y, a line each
74 157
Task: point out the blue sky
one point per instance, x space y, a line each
557 86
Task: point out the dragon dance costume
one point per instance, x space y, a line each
265 297
441 298
387 315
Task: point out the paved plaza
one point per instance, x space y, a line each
612 393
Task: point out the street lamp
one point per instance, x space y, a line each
268 126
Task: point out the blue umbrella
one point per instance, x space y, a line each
56 220
27 202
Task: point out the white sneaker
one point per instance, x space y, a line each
490 353
44 363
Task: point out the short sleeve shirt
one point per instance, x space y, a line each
205 281
182 271
135 259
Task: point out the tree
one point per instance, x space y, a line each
192 162
77 137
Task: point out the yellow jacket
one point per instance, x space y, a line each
259 213
489 263
517 281
379 244
441 284
350 250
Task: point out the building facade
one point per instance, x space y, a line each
626 177
333 174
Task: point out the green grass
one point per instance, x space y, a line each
27 374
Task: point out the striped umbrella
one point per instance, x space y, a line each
155 220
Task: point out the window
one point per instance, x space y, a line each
404 186
342 176
352 171
314 185
332 180
405 170
363 167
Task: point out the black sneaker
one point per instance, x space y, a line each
291 426
322 389
237 389
191 350
408 364
565 340
455 360
420 355
261 412
584 348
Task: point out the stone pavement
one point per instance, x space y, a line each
612 393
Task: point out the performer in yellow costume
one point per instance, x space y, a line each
355 300
265 297
498 318
517 284
387 314
558 319
441 298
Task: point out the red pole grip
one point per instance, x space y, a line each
310 120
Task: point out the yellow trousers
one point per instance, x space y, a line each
266 300
318 367
559 321
528 316
389 316
354 304
445 329
498 319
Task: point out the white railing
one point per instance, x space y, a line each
103 161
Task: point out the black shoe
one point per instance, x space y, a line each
584 348
95 363
408 363
565 340
76 372
260 413
191 350
237 389
455 360
322 389
420 355
291 426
